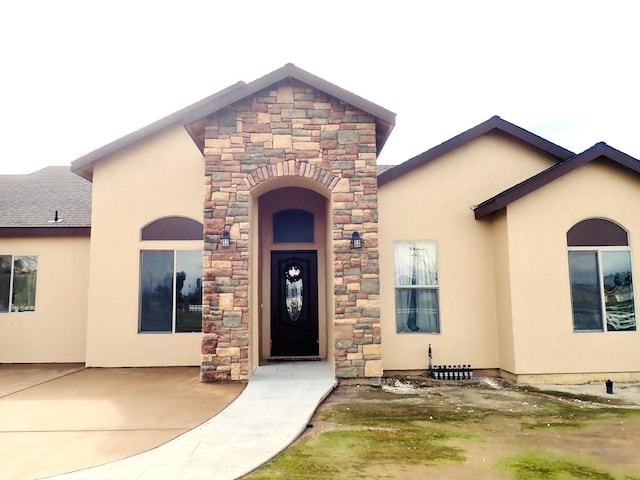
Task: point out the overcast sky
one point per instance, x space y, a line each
75 75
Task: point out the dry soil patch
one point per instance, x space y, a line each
498 421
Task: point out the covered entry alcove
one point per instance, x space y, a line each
293 274
290 175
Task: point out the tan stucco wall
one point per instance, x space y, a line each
541 299
157 177
502 276
56 331
434 202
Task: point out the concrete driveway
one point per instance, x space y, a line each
59 418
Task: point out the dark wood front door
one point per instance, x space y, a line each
294 303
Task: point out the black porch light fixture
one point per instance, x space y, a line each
225 239
356 240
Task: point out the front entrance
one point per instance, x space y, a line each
294 303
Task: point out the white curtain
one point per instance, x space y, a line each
416 287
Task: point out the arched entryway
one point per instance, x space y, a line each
293 271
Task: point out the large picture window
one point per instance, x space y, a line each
18 276
171 291
601 277
602 289
416 287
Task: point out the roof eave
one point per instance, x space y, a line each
495 123
191 115
599 150
83 166
291 71
48 231
385 119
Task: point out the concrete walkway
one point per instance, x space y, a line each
272 411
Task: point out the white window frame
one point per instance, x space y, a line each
12 280
433 286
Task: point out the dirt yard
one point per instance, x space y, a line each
479 429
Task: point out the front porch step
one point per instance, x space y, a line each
294 359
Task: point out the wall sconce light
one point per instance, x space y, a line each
225 239
356 240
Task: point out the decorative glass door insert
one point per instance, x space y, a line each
294 291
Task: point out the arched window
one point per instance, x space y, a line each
293 225
596 232
173 228
601 276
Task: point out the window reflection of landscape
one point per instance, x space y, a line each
618 288
171 291
18 275
601 277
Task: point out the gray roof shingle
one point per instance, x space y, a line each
384 168
31 200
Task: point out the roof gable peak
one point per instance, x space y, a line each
598 151
190 116
493 124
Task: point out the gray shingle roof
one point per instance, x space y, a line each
30 200
384 168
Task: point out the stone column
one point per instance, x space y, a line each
290 129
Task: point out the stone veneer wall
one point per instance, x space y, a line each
290 129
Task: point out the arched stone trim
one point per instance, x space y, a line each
291 168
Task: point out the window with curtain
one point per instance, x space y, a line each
416 287
601 277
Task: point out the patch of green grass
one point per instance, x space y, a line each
380 413
346 454
529 466
550 413
569 409
577 396
558 413
551 424
381 434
